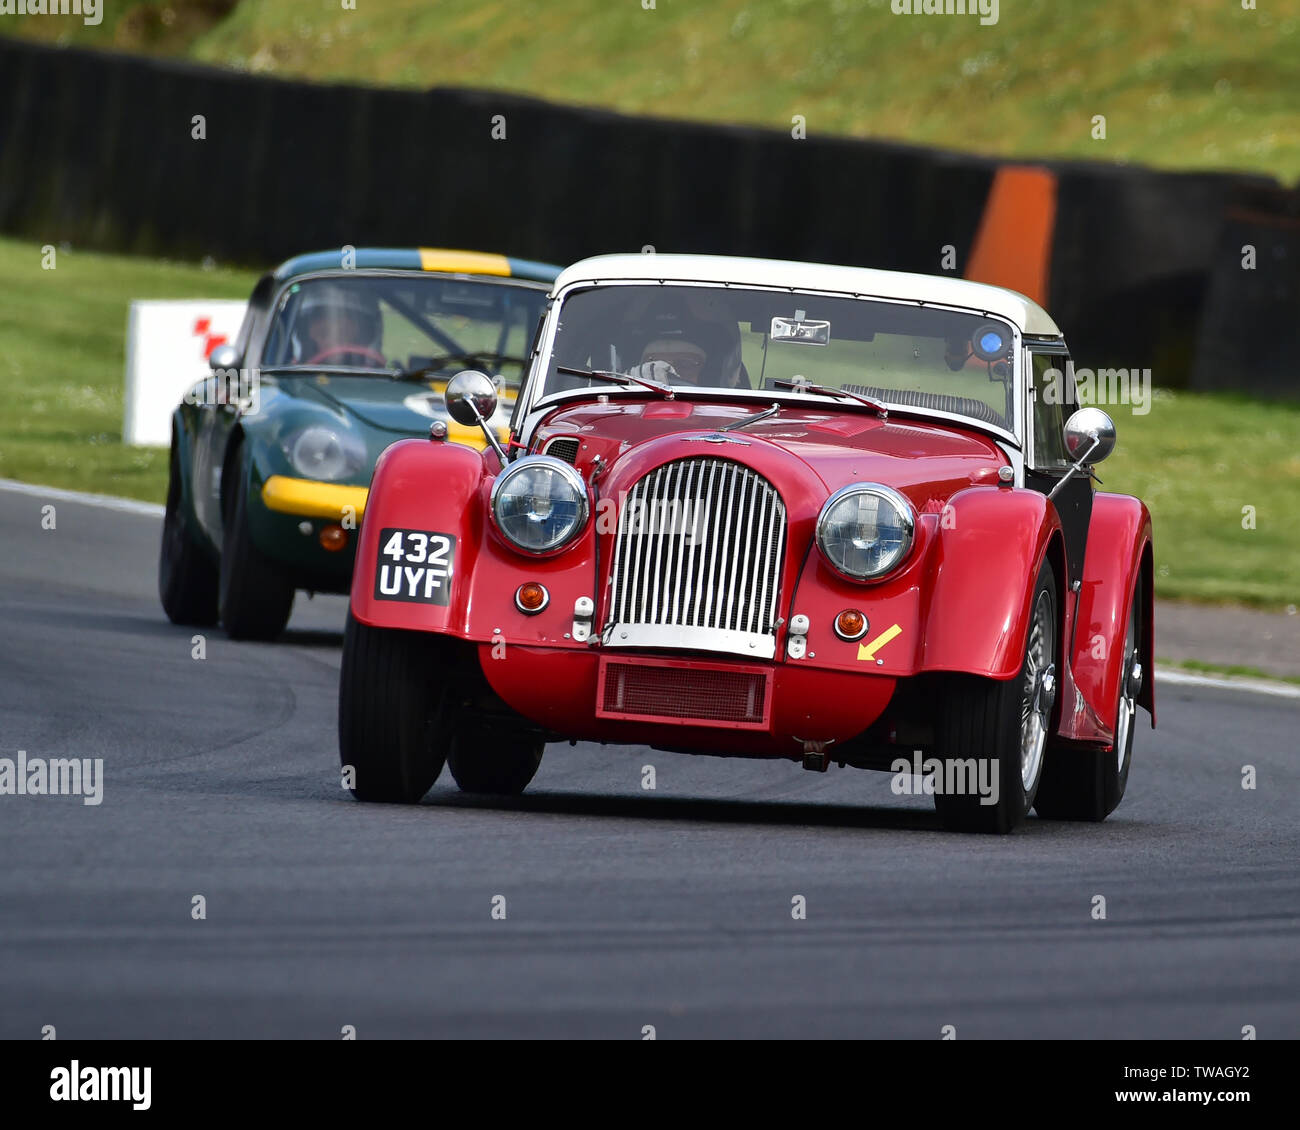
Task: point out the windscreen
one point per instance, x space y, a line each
747 339
405 323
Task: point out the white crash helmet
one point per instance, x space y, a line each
332 299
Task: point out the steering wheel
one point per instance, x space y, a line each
359 350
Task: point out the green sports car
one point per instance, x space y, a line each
340 354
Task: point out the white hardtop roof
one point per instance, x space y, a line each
867 282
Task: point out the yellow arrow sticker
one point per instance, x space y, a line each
868 650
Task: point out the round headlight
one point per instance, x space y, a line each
325 453
539 503
865 530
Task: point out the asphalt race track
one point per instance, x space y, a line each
624 908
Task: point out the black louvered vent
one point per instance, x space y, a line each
566 448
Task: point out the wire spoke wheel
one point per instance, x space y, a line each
1129 686
1038 693
1088 783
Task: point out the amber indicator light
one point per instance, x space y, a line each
531 597
850 624
333 538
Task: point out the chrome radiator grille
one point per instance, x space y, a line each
697 560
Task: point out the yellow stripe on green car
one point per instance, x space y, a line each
463 262
472 436
312 499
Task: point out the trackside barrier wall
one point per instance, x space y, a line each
99 150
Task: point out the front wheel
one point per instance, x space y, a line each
993 733
1088 784
392 713
255 597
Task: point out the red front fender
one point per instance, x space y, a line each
1118 556
991 544
441 491
431 487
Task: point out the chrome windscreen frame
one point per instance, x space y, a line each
1050 347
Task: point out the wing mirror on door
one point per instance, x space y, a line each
224 357
1089 438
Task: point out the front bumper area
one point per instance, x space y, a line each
687 703
287 528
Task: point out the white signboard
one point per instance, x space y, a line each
167 348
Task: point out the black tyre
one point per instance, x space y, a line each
392 712
187 578
996 731
1088 784
255 597
492 761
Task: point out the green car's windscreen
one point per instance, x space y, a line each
729 337
411 323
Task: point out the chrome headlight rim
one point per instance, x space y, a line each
566 472
352 448
906 516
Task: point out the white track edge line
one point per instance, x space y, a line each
103 501
1178 677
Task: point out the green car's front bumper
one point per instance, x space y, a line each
310 528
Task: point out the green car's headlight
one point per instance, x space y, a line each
865 530
328 454
539 504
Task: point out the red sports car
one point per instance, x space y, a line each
762 509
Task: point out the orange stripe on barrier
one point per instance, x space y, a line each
1013 246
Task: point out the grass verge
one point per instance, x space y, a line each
1220 474
1235 669
63 363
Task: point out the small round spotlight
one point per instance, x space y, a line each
990 342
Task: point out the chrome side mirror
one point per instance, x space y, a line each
1089 438
224 357
1089 435
471 398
